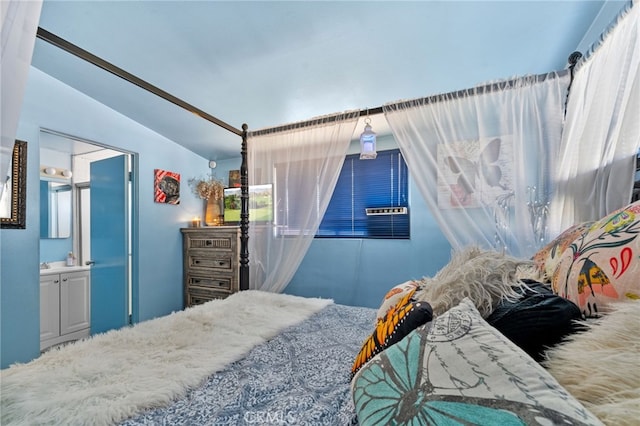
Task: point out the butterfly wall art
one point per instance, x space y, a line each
474 173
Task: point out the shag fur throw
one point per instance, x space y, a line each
114 375
484 276
601 366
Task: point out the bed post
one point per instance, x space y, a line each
244 214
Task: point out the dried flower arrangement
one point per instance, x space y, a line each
207 187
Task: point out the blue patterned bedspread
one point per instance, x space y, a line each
300 377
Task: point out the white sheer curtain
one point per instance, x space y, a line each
19 25
482 159
303 163
602 131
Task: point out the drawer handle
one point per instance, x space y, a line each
219 262
218 283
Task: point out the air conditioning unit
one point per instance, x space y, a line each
378 211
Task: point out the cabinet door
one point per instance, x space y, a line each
75 302
49 306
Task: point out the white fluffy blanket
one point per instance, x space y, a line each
601 367
114 375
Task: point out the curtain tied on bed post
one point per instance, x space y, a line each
302 162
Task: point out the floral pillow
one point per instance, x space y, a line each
459 370
548 257
602 265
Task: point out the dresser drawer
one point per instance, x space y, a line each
198 296
218 281
210 260
223 242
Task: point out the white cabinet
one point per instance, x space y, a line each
49 307
65 307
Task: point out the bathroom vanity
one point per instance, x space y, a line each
65 304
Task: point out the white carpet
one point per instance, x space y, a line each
112 376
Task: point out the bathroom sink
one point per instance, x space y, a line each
61 268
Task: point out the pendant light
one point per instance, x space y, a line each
368 142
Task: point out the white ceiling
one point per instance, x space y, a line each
268 63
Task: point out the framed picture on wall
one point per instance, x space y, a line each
13 202
166 187
234 178
474 173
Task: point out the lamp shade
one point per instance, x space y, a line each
368 143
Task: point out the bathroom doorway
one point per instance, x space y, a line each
81 154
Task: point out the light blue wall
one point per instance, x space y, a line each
52 105
19 271
55 249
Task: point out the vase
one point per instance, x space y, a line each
213 212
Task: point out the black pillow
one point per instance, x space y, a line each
537 321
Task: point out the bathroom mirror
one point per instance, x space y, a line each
55 209
13 201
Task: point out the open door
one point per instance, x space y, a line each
109 243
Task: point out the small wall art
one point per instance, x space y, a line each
234 178
474 173
166 187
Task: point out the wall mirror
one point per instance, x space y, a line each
55 209
13 203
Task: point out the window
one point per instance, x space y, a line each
379 186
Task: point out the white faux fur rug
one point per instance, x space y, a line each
484 276
112 376
601 366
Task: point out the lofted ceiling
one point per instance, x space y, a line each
267 63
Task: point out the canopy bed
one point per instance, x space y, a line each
492 338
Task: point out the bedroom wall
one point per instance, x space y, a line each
53 105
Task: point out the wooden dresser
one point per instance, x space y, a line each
211 263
